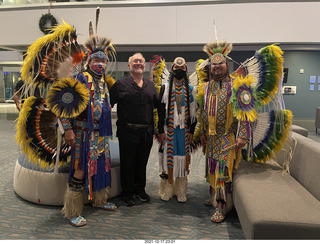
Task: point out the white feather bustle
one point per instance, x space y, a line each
65 68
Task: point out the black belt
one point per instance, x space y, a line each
135 127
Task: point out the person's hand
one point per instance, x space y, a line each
189 139
163 138
203 139
240 143
69 137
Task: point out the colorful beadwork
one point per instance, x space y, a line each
176 91
217 58
67 97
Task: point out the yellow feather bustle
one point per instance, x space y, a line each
248 81
278 54
58 33
21 134
157 73
285 120
284 137
80 98
23 139
110 81
248 114
202 81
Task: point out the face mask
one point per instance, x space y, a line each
179 74
98 67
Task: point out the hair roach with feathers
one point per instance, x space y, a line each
222 47
96 43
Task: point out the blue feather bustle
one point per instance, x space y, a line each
268 133
262 69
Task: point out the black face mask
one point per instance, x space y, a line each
179 74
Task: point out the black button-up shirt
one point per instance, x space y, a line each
135 104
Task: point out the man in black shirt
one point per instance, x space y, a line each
136 98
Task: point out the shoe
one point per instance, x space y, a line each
165 198
143 197
209 202
182 199
78 221
108 206
128 201
217 217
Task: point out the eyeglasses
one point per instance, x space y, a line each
137 61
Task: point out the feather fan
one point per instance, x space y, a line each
37 134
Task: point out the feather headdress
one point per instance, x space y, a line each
218 51
99 46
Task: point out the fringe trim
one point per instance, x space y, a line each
100 197
212 114
73 204
180 188
166 190
231 157
212 120
179 119
229 116
193 106
180 165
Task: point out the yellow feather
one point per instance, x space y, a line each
79 88
252 114
34 50
110 81
157 72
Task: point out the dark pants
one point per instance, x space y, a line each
133 164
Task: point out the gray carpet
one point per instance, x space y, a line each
22 220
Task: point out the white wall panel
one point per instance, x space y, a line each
249 23
291 22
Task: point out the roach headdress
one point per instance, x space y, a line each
218 51
99 47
